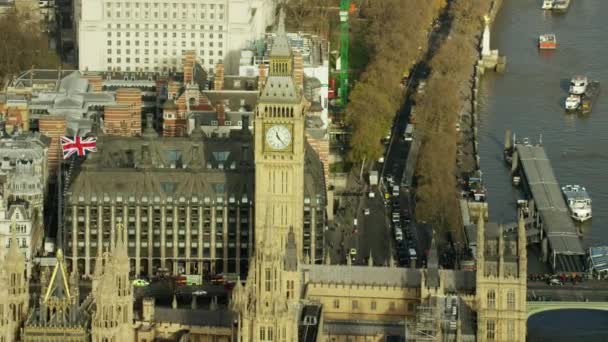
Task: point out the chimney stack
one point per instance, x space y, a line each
188 63
262 76
221 114
218 82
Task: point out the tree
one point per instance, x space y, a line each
23 46
309 15
439 109
396 33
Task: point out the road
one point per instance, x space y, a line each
373 234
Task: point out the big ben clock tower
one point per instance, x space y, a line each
267 305
279 150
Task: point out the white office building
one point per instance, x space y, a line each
151 35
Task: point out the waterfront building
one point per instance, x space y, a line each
501 283
187 203
150 36
286 297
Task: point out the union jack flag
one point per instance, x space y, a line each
78 145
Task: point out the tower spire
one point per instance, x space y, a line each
521 246
14 257
501 251
281 26
120 246
480 244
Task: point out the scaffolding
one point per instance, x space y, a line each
425 326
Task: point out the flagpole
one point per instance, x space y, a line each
60 198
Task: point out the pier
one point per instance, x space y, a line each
560 241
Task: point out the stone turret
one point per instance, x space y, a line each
114 294
14 293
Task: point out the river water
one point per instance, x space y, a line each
528 99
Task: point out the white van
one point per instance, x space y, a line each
409 132
395 190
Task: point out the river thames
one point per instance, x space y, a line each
528 99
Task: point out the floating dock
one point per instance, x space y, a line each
560 238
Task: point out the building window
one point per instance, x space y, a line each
391 306
491 299
491 330
355 304
373 305
336 303
267 280
511 300
511 330
410 307
262 334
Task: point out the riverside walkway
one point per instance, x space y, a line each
550 210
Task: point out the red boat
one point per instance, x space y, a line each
547 42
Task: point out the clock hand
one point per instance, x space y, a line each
279 137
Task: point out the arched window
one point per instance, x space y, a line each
491 299
511 300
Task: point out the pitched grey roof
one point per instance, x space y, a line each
240 83
363 275
138 167
280 46
280 89
74 83
233 97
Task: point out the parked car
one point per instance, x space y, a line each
199 293
366 211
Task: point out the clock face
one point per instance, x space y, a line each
278 137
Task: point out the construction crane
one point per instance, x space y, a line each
345 8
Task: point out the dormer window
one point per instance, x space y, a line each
228 123
213 122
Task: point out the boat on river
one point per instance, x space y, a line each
572 103
592 93
561 5
547 4
547 41
578 85
578 201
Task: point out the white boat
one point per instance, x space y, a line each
578 85
578 201
547 4
573 102
561 5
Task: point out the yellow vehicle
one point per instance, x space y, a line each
140 283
